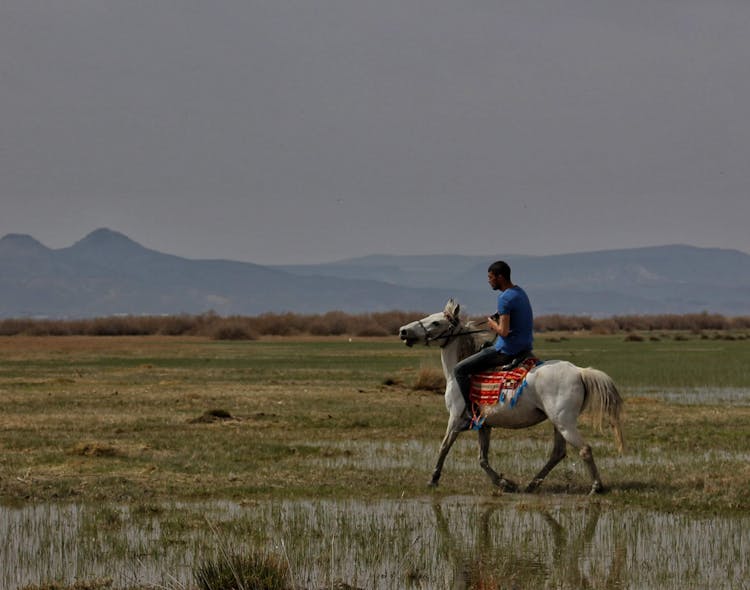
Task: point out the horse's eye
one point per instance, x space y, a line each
436 323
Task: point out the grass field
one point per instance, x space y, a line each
151 453
129 419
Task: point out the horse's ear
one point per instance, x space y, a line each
452 308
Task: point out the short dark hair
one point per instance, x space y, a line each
500 268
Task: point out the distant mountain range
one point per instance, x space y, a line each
107 273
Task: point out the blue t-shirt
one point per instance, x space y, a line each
515 303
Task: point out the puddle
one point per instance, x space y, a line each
462 542
699 396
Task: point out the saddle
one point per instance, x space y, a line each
517 360
501 385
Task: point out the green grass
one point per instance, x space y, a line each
666 363
331 418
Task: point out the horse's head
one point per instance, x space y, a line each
435 327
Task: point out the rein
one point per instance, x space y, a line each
448 334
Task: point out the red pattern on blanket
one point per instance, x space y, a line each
489 387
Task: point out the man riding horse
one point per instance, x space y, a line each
555 390
514 325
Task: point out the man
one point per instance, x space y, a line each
514 325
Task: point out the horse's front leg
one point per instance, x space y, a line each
484 448
451 434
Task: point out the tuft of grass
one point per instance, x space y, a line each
430 379
94 449
249 571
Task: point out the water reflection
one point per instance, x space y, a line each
458 543
522 565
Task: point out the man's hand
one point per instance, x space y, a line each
501 325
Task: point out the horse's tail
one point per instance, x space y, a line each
603 401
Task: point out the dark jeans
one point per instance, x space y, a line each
485 359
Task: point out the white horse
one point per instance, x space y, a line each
557 391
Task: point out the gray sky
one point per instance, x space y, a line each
295 131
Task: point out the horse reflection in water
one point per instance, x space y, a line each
557 391
522 563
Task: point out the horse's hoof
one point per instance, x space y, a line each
433 484
531 488
597 488
508 486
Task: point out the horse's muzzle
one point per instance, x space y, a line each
408 340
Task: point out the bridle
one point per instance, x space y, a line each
449 333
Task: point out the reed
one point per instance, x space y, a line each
445 542
243 571
337 323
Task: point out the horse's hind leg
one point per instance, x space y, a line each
588 457
584 450
558 454
484 447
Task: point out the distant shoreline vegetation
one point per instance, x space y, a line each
337 323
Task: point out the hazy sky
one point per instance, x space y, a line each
293 131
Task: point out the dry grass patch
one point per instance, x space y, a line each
430 379
211 416
95 449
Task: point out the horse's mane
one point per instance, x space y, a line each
477 339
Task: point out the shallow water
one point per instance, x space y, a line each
693 396
523 542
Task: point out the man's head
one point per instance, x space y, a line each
498 275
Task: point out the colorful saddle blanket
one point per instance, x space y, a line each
491 387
